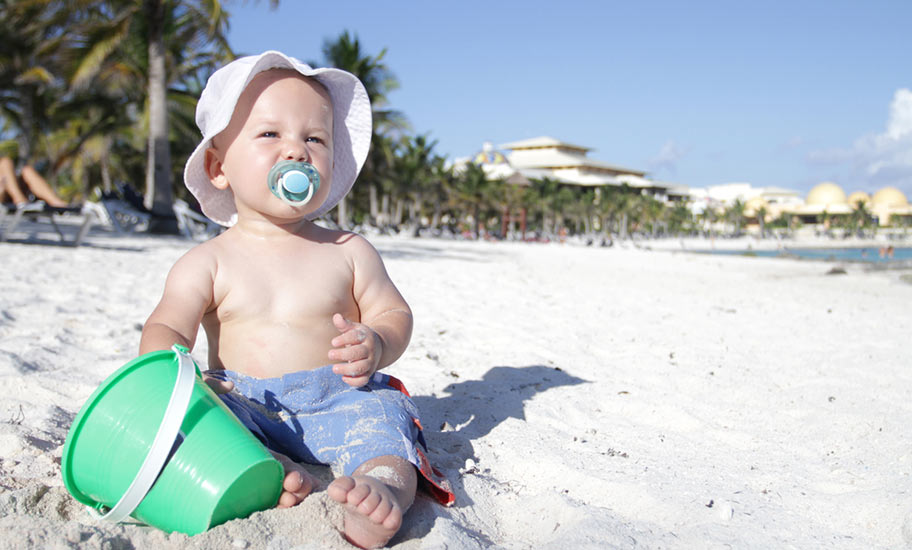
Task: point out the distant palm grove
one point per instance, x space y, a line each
101 93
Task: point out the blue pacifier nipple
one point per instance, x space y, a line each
294 182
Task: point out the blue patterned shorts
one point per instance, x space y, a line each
315 417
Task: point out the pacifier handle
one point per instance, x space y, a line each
289 179
295 181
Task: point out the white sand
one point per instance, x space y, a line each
576 397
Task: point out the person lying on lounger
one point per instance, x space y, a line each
36 184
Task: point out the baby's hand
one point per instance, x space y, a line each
358 350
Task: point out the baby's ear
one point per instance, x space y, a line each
213 164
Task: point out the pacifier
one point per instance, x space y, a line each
294 182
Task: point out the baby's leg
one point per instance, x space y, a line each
375 498
297 483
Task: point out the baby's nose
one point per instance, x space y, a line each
296 151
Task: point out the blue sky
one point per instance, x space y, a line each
774 93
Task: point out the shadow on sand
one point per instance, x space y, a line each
471 410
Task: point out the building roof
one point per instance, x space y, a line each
543 142
826 194
551 154
890 197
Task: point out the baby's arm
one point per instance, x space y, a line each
386 319
187 296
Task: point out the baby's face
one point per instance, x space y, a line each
280 116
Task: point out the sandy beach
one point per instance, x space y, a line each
576 397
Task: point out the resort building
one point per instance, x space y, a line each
888 205
518 162
771 200
566 162
824 200
547 157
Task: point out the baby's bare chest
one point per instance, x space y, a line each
283 288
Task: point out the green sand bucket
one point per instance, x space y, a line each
155 442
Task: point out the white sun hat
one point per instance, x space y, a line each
351 128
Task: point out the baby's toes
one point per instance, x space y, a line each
358 495
371 504
339 489
383 511
297 482
295 487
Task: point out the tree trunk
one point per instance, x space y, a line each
415 211
28 127
383 218
342 214
374 207
397 216
158 162
435 218
106 182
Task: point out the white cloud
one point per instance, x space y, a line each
900 123
879 160
668 157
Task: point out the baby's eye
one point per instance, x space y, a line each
269 134
313 139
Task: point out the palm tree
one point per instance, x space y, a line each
472 191
205 19
708 218
514 197
345 53
860 217
625 205
76 70
541 196
653 212
735 215
761 219
32 62
680 219
607 209
414 173
560 205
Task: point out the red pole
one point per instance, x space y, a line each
522 222
505 219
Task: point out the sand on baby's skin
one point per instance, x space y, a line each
576 397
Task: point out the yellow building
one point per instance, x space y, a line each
890 203
828 199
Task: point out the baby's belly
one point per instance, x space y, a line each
270 350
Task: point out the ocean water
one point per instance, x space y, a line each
847 254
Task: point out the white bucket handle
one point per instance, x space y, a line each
168 431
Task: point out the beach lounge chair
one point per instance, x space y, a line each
194 225
122 216
37 211
126 213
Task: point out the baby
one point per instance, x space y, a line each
279 297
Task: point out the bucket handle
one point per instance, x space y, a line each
168 431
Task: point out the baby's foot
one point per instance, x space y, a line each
296 485
372 514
